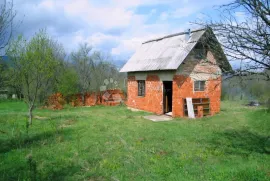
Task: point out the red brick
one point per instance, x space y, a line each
152 101
182 88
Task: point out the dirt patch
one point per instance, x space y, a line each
162 153
40 118
141 139
68 123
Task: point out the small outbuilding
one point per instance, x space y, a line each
164 72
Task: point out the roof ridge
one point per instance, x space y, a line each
172 35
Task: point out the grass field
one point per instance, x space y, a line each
113 143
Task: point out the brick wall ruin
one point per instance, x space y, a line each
108 98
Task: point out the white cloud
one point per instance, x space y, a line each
49 4
201 16
164 16
127 46
105 16
185 1
114 25
134 38
153 11
185 11
99 38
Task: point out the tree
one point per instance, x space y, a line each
34 64
3 77
50 86
93 69
7 15
13 81
67 81
102 69
83 64
245 40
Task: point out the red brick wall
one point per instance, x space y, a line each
108 97
152 101
112 98
183 87
55 101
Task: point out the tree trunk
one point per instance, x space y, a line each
83 99
30 113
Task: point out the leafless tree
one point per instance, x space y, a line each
83 63
103 70
93 68
7 15
245 40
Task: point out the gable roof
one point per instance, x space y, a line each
166 53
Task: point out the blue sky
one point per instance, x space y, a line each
117 27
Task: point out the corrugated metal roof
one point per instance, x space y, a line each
165 53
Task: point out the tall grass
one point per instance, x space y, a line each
113 143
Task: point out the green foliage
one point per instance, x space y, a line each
2 78
34 65
7 15
68 82
113 143
268 104
259 89
252 87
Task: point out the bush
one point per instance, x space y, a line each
268 104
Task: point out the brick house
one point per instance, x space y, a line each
165 71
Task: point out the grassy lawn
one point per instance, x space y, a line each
113 143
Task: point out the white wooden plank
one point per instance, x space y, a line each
190 108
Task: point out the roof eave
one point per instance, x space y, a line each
150 70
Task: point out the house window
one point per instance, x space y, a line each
141 87
199 85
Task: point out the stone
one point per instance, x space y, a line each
156 118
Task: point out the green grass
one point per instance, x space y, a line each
113 143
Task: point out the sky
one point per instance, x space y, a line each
117 27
